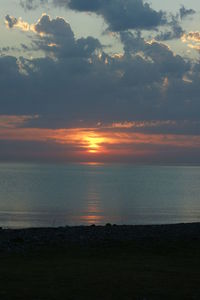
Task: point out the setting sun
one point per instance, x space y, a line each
94 143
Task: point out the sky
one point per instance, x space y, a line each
100 81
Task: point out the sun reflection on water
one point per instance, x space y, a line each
93 213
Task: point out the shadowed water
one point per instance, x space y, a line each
54 195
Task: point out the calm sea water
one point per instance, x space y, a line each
34 195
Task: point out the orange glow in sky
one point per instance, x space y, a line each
96 143
90 140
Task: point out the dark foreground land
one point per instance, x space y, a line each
101 262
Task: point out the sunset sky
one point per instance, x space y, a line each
100 81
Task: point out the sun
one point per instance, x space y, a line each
86 141
93 143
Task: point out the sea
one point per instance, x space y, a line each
52 195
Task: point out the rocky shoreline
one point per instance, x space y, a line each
22 240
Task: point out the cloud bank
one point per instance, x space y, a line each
78 80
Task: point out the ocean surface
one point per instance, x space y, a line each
34 195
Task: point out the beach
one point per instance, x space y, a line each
101 262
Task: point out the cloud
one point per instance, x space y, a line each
76 82
12 22
156 127
175 32
13 121
44 26
119 14
55 27
193 39
32 4
184 12
192 36
55 37
122 15
158 55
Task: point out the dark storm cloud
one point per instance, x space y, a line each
119 14
77 81
184 12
